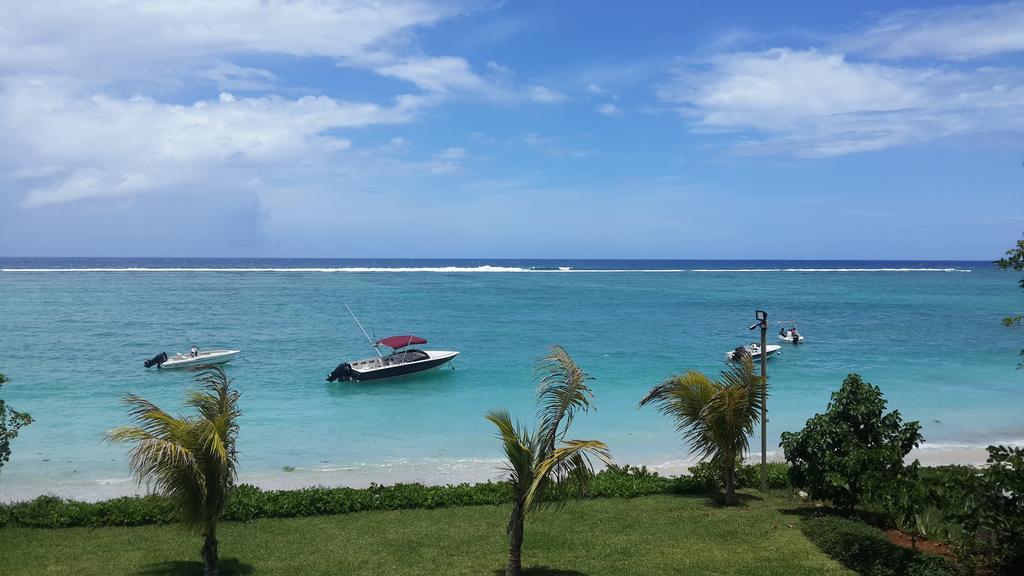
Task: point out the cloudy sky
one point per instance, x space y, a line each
328 128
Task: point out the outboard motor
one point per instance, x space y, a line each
157 360
739 353
342 372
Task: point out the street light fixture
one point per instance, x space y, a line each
762 322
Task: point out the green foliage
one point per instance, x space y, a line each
988 506
715 417
1014 260
908 499
853 450
866 550
709 474
249 503
10 422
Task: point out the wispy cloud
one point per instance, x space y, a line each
854 95
553 146
953 32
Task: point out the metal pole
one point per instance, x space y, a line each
358 323
764 404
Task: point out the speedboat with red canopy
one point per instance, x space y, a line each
401 361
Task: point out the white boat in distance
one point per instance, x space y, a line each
194 358
789 332
754 350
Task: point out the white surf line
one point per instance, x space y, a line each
482 269
831 270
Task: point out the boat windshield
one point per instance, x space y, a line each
404 356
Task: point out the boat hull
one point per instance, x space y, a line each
370 369
771 349
204 359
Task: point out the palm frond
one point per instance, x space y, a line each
715 417
562 391
568 468
519 450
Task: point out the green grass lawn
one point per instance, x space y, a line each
644 536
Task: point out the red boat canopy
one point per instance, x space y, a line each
397 342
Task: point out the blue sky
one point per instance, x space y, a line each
511 129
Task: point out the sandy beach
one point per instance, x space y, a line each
431 472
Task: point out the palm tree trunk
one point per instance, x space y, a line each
515 542
210 550
729 469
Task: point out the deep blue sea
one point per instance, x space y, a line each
75 331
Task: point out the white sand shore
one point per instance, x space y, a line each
431 471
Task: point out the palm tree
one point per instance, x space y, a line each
191 459
542 461
716 417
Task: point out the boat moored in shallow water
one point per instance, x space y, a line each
790 333
401 361
753 350
194 358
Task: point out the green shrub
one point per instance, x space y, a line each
852 450
248 503
709 475
866 550
988 506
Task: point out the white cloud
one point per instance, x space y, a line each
544 94
230 76
608 109
552 146
454 153
438 74
103 146
955 33
107 40
70 133
816 103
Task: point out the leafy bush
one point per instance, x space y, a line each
851 450
708 474
10 422
988 506
866 550
249 502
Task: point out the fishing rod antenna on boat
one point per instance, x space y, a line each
358 323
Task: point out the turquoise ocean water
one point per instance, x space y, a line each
75 332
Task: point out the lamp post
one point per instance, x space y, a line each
762 322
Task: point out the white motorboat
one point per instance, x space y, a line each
192 359
790 333
753 350
401 361
398 363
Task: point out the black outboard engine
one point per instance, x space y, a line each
156 360
739 353
342 372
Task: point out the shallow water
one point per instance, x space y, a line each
73 342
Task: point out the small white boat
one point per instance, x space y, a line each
790 333
194 358
753 350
